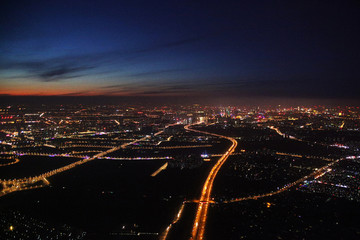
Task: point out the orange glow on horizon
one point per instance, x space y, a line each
65 92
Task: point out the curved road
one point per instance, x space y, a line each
203 205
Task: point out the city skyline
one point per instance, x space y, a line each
137 171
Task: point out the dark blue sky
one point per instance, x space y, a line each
306 49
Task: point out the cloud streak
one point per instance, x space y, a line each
62 72
152 73
77 65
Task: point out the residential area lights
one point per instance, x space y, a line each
14 185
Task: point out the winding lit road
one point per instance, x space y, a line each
205 198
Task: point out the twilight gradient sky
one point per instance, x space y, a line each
175 48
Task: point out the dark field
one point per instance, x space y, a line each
291 215
34 165
107 197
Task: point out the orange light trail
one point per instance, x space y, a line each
205 198
11 163
316 174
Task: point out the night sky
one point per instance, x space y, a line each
304 49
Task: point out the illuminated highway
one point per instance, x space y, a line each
283 134
163 167
16 160
316 174
163 236
77 156
175 147
14 185
304 156
205 198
